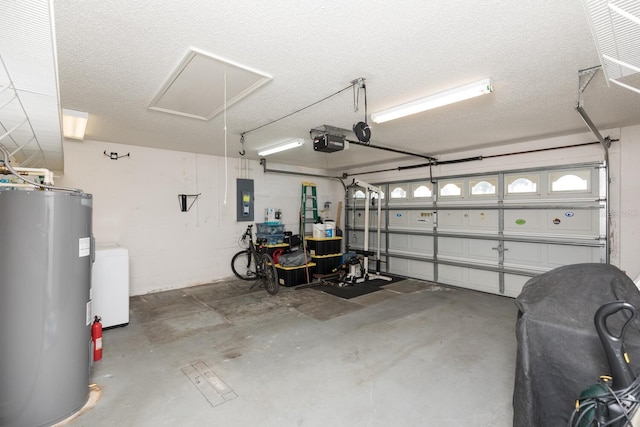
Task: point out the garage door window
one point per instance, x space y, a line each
422 191
451 189
358 194
523 184
399 192
486 186
570 181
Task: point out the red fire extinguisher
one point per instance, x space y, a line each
96 338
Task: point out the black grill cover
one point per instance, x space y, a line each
559 353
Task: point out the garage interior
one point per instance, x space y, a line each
450 211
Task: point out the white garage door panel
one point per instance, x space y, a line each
583 222
412 219
410 268
472 250
411 244
486 281
483 249
373 219
450 219
523 220
513 284
422 270
519 254
547 256
356 240
559 255
398 266
399 242
449 246
398 218
486 220
422 219
553 222
471 220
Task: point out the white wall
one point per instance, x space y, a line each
628 213
136 206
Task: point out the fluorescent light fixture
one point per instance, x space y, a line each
287 145
434 101
74 123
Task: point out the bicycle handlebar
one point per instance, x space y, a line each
247 232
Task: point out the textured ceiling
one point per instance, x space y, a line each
114 56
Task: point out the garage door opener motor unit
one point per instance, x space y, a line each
328 143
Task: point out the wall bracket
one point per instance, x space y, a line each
182 200
114 156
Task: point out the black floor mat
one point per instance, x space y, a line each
356 290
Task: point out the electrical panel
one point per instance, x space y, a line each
245 199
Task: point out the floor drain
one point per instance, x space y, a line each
212 387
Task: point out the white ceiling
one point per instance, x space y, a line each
114 56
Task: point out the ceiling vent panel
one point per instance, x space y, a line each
615 25
196 88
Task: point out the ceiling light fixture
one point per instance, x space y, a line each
434 101
287 145
74 123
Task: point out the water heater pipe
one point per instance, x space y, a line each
35 184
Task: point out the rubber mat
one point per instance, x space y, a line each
356 290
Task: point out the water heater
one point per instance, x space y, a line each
46 252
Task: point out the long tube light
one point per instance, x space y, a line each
287 145
74 123
434 101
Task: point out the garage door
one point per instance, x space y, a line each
489 232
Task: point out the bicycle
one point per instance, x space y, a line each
253 263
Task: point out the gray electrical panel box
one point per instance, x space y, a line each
245 199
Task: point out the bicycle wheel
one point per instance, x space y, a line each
270 274
243 266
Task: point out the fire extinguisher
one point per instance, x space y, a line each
96 338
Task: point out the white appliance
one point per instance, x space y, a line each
110 285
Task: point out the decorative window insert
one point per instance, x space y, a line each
399 192
483 186
576 181
451 188
358 194
422 190
522 184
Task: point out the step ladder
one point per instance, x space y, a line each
308 209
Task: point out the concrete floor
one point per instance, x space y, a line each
412 354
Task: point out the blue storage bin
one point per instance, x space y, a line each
269 228
272 239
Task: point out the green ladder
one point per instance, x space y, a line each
308 209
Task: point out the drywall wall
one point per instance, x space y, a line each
627 214
136 205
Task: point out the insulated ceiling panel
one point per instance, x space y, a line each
203 85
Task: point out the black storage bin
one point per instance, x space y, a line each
294 276
324 246
325 264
